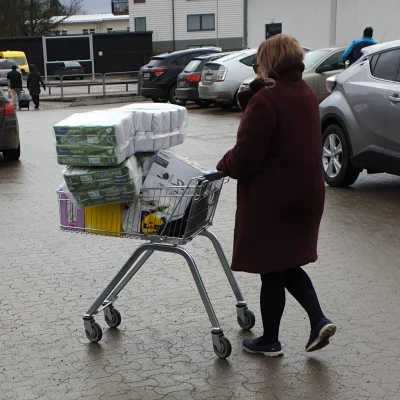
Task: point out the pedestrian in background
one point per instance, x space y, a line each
15 81
33 84
353 52
277 161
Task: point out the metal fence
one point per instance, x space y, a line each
127 80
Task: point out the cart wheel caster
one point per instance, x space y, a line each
115 319
96 334
225 349
249 321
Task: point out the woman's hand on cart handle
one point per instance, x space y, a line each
214 176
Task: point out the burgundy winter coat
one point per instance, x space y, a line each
277 161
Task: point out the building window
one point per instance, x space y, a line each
64 32
140 24
85 31
109 30
201 22
272 30
139 1
57 33
93 31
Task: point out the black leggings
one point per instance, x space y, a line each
36 100
273 299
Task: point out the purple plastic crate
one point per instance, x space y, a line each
71 217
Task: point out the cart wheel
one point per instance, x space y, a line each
115 320
249 321
96 334
226 348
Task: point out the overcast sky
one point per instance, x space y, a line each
97 6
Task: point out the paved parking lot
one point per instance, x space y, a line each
163 349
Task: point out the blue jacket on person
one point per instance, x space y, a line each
353 53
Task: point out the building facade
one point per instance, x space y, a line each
320 23
93 23
181 24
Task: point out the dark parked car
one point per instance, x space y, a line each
189 78
159 76
68 68
5 68
9 131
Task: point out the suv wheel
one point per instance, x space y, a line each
338 170
13 154
173 99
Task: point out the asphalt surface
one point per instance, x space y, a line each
163 349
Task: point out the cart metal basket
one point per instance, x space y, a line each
167 218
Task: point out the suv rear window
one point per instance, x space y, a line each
6 64
192 66
72 64
155 62
387 66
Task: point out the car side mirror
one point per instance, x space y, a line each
323 68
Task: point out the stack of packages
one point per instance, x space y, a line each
117 166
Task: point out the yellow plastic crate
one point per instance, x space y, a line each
104 220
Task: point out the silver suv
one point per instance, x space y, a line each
361 118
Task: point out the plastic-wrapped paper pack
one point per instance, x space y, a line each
125 184
167 121
94 155
102 128
144 142
142 120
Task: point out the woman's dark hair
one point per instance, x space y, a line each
33 68
368 32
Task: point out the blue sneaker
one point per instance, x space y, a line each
252 346
320 335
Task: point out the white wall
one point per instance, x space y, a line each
77 29
355 15
310 20
158 15
228 18
307 20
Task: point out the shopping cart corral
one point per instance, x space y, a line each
191 213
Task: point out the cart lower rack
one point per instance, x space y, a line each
167 218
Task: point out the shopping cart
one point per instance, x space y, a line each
177 215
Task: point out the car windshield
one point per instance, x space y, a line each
6 64
72 64
313 57
18 60
192 66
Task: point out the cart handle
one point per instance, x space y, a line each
214 176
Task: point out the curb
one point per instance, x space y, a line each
107 100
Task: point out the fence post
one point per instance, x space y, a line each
104 85
139 84
62 86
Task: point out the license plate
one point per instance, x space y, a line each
146 75
209 78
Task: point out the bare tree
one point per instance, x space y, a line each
35 17
42 17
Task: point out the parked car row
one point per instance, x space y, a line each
208 76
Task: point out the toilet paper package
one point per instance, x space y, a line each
158 126
96 186
100 128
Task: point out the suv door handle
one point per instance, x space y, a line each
394 98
